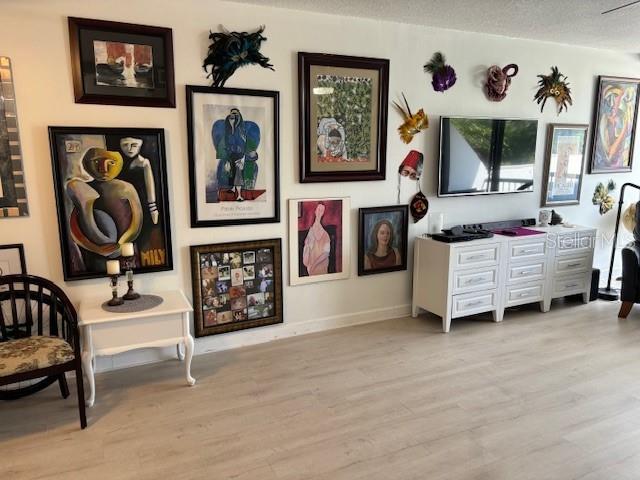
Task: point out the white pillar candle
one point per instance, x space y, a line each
113 267
127 249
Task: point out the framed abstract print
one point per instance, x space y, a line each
12 260
121 63
564 161
382 239
13 194
343 117
614 125
233 156
236 285
111 188
319 239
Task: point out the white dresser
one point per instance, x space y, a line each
458 279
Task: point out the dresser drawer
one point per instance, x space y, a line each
526 272
569 244
569 285
471 303
521 294
483 255
566 264
475 279
528 250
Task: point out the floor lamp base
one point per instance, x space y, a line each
608 294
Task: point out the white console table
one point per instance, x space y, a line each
487 275
106 333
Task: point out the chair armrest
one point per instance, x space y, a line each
630 291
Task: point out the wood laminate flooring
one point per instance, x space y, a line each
539 396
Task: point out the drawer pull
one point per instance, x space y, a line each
528 251
524 294
571 285
571 265
474 280
477 257
473 304
523 272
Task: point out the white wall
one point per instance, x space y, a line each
34 34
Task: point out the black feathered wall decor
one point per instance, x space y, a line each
231 50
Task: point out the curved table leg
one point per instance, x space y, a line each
180 351
188 347
87 367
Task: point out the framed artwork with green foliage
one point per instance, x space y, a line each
343 117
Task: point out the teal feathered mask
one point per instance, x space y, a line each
231 50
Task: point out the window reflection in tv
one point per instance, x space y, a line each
486 155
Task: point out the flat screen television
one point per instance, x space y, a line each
481 156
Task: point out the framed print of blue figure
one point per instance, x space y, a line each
233 156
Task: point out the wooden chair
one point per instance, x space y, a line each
39 337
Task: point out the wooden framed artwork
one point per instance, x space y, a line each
233 156
236 285
343 117
13 194
121 63
111 188
383 239
319 239
564 163
614 125
12 261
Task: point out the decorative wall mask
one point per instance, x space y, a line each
411 166
443 75
601 196
498 81
413 124
231 50
419 206
554 86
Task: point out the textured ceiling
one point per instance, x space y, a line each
575 22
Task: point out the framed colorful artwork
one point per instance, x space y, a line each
12 260
383 239
233 156
614 125
236 285
121 63
564 161
111 188
343 117
319 239
13 194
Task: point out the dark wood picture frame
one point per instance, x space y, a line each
23 264
551 128
194 175
402 245
307 148
199 253
161 193
82 60
595 137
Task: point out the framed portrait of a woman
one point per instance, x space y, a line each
382 240
319 240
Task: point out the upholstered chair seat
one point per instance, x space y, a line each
32 353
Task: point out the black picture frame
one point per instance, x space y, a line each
153 233
596 162
382 214
349 170
206 205
19 247
215 296
154 83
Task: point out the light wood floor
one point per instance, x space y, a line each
553 396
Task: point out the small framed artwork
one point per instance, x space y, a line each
614 125
319 239
564 161
236 285
12 260
343 117
111 188
121 63
233 156
383 239
13 194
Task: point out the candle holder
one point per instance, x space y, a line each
115 300
131 294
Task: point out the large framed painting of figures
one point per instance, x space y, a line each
382 239
319 240
343 117
111 188
117 63
233 156
236 285
13 194
614 125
